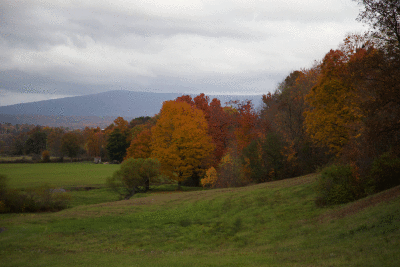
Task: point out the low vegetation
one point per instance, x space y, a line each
269 224
79 174
134 176
339 184
344 110
37 199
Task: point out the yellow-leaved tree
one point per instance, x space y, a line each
334 114
180 141
210 179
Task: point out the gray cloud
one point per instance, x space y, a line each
236 46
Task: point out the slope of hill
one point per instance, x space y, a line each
269 224
112 103
71 122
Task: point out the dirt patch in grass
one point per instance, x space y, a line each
361 204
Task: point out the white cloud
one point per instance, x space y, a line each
229 45
9 98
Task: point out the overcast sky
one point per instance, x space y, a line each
52 48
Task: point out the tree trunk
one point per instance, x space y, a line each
130 194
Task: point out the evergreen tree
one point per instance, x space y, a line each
117 145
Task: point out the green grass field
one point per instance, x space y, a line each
23 175
270 224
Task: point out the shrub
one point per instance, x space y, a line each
385 172
133 176
338 184
32 199
46 156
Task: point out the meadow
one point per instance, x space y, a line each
79 174
269 224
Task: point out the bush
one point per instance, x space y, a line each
32 199
385 173
134 176
46 156
338 184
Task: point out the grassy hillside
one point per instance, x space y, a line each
270 224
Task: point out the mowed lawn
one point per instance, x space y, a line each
22 175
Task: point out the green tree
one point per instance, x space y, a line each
265 159
36 143
134 176
117 145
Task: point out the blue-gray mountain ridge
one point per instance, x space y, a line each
96 110
111 103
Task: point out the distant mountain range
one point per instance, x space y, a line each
92 108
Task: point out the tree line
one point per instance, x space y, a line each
344 110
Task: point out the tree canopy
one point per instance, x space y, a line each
180 140
134 176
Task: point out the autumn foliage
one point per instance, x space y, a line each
95 141
334 105
140 146
217 119
210 179
345 109
180 141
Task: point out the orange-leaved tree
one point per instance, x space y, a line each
218 129
140 146
334 109
218 121
180 141
95 141
246 120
